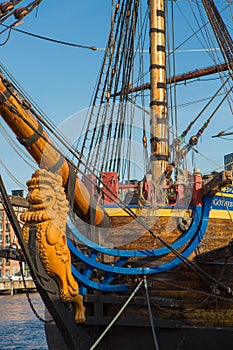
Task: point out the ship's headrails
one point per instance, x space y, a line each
130 262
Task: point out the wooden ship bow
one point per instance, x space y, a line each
150 256
29 127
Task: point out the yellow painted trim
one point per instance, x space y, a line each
218 194
220 214
214 214
150 212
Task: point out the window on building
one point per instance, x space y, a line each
0 238
21 209
7 238
7 227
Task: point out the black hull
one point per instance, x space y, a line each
138 338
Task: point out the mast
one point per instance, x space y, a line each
158 105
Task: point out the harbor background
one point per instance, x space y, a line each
19 328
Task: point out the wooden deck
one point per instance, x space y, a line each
17 286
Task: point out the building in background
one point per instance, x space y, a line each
8 238
228 161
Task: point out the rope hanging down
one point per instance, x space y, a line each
150 314
117 315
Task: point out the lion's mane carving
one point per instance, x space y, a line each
47 211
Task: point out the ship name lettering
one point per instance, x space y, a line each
222 203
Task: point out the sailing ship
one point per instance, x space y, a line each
150 235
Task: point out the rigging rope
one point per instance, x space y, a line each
150 314
15 146
194 139
201 130
101 85
8 10
105 148
222 35
12 176
117 315
208 35
184 133
93 48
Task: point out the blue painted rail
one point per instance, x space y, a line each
189 240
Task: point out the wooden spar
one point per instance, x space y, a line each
158 106
23 123
181 77
199 73
223 133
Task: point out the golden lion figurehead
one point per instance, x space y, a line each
46 198
47 211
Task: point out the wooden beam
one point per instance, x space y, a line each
181 77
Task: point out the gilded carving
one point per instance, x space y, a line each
47 212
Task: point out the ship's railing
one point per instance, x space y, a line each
121 263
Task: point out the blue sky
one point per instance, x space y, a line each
48 70
61 78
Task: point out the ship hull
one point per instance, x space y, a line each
187 314
138 338
190 304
